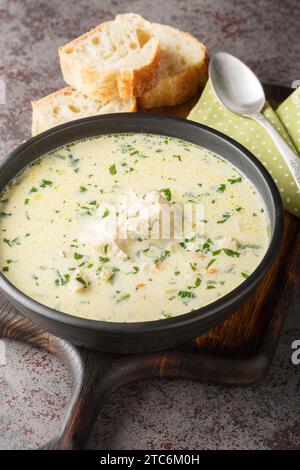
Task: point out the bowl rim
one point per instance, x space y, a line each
231 300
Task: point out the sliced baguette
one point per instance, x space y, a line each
119 58
68 104
183 68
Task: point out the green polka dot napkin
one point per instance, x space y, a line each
286 119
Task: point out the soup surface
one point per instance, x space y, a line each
62 218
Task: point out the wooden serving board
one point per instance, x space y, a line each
237 352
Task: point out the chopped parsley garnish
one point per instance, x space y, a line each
235 180
231 253
82 189
15 241
227 251
194 266
217 252
33 189
62 280
82 281
74 162
26 201
197 284
123 297
105 213
5 269
167 193
162 257
212 261
167 315
207 244
113 169
103 259
245 275
45 183
135 270
186 294
87 210
178 157
78 256
210 286
225 218
221 188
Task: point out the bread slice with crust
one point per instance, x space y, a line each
68 104
183 68
119 58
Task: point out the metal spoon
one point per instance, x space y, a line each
238 89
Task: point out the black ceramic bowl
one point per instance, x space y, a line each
160 334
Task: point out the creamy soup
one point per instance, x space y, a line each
63 220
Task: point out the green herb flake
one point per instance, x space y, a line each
82 189
216 252
165 254
235 180
194 266
105 213
167 193
245 275
221 188
231 253
212 261
167 315
225 218
197 284
82 281
113 169
45 183
3 215
78 256
186 294
15 241
62 280
123 297
135 270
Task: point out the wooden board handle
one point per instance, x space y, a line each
96 375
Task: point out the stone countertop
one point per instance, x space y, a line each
156 414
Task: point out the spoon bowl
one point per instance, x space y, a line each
239 90
235 85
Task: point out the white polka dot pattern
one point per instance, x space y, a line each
250 134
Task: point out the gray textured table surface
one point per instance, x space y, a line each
35 386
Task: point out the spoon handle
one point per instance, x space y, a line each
292 160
